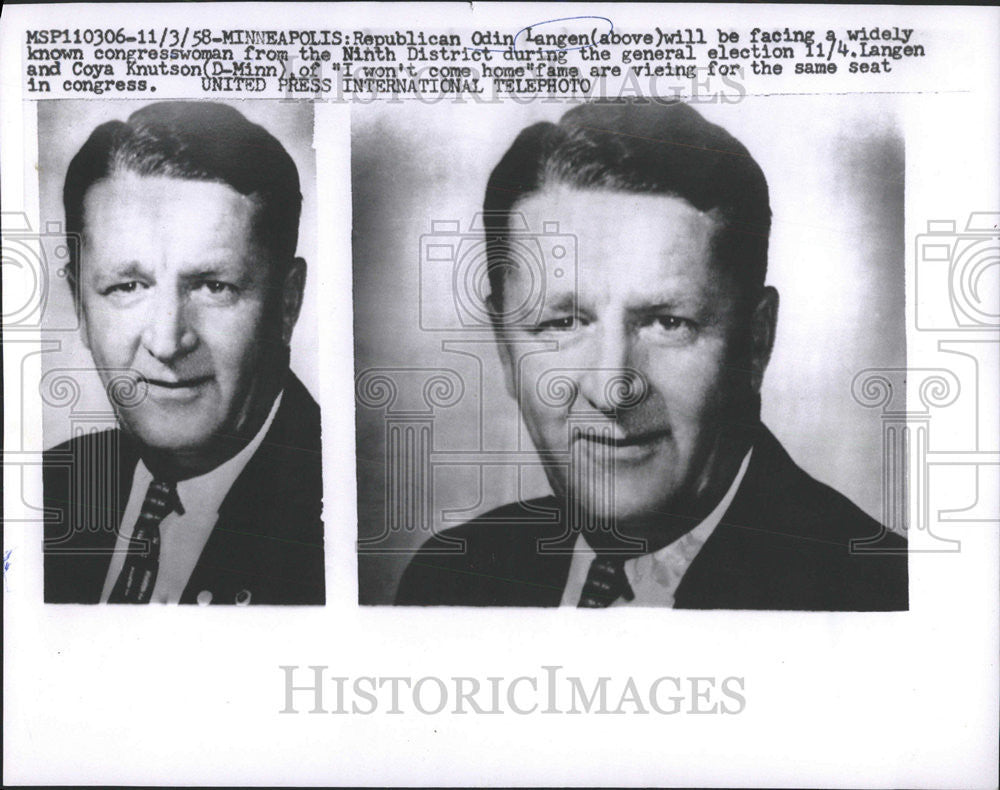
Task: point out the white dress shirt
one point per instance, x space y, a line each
182 536
654 577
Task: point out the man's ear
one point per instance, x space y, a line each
507 359
764 323
292 288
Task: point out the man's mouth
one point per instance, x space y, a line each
609 442
177 391
176 384
618 438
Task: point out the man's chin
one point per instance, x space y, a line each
622 508
185 441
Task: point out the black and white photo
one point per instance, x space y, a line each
619 266
500 394
187 287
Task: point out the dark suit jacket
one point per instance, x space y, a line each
268 540
784 543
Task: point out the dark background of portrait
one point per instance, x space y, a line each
835 169
63 126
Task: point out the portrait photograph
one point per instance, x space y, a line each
181 415
616 353
370 351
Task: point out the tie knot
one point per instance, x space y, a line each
606 582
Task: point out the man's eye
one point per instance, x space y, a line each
563 323
216 289
670 323
123 288
670 328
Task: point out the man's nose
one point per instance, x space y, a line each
169 333
610 382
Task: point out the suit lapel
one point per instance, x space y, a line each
257 537
552 555
545 558
87 486
737 567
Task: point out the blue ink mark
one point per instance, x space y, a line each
6 565
513 46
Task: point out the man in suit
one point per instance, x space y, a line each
188 289
638 381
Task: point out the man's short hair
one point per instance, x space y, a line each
198 141
642 146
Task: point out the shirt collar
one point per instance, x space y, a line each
693 540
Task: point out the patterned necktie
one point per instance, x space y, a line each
606 582
138 577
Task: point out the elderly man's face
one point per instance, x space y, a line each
648 353
179 299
